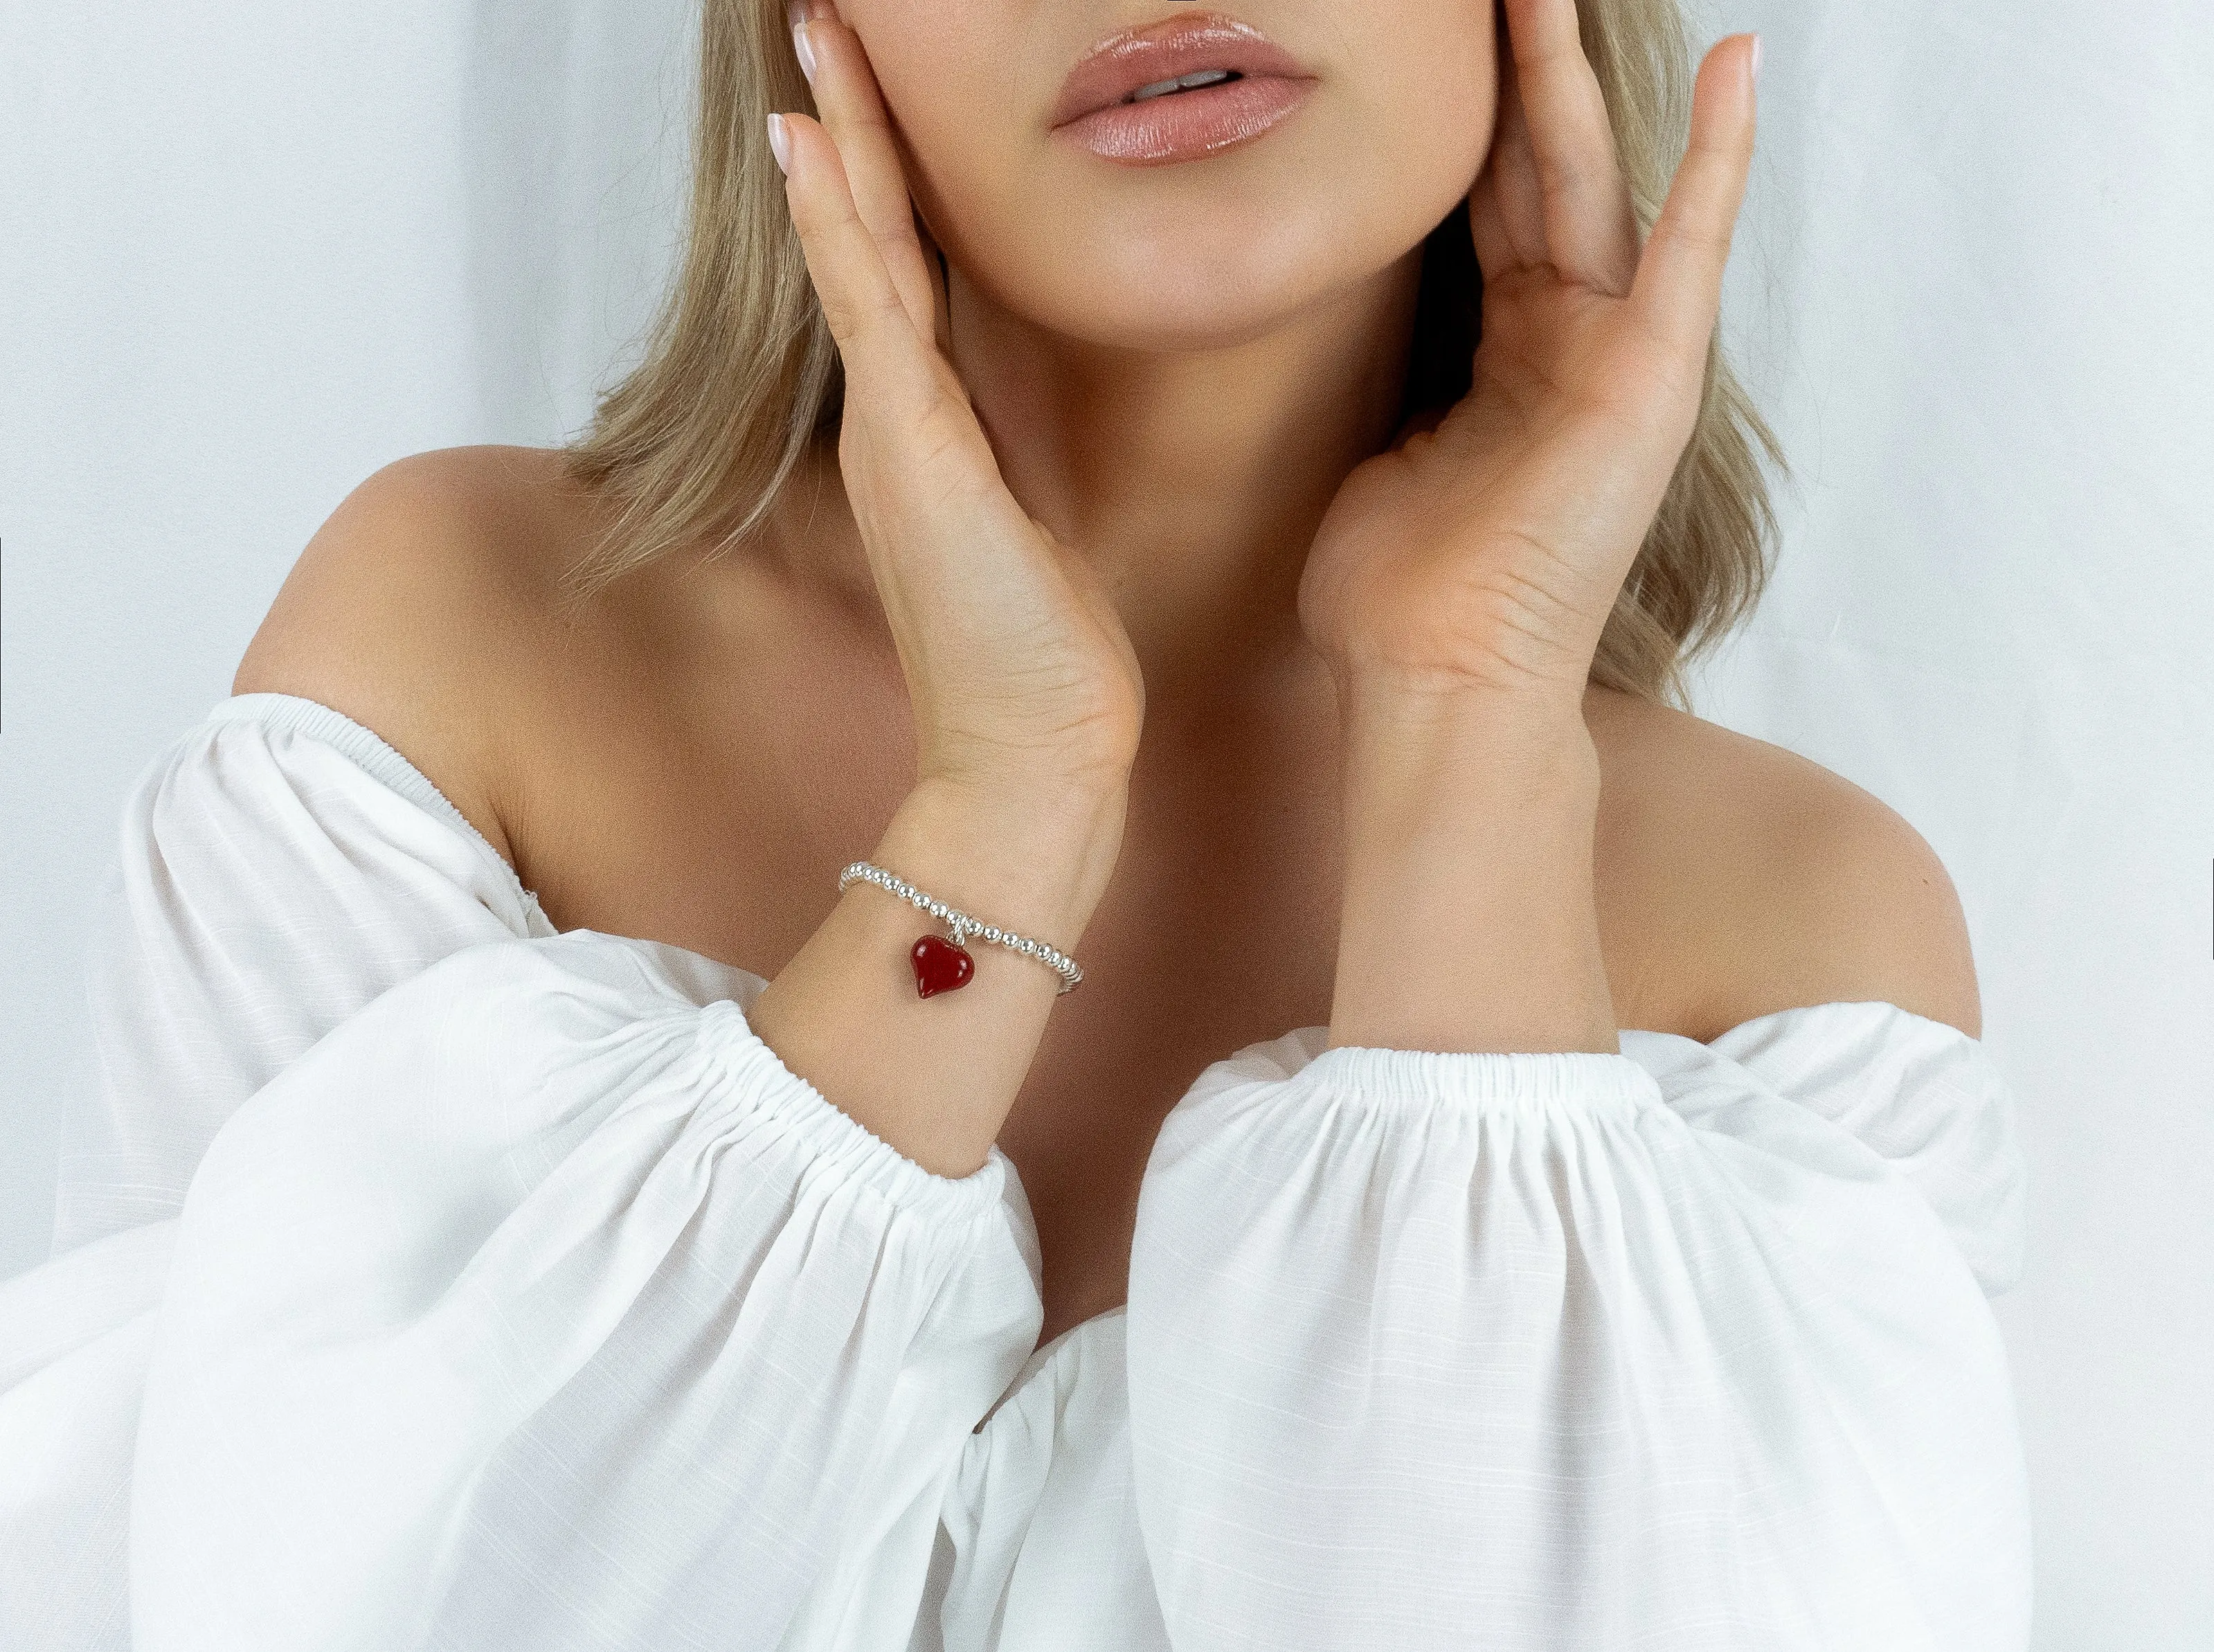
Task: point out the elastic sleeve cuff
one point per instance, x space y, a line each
833 1141
1530 1081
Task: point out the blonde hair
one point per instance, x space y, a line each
740 372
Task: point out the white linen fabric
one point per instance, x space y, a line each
431 1278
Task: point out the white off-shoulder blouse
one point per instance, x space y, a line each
426 1277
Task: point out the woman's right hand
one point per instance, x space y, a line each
1018 666
1026 690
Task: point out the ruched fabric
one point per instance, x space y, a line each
1507 1351
427 1278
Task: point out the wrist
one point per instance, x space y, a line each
1384 707
1412 755
1033 859
1468 921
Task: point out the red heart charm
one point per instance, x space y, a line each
940 966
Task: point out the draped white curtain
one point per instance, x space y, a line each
252 251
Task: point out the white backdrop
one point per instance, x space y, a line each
253 250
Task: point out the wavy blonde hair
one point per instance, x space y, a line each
740 372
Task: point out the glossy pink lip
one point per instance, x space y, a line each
1186 125
1093 111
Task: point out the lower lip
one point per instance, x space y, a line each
1187 125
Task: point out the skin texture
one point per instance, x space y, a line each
1283 769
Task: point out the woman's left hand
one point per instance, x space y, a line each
1487 550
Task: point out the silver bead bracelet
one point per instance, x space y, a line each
939 967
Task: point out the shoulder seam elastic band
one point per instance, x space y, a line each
369 752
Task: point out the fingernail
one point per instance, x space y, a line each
1756 59
804 51
779 144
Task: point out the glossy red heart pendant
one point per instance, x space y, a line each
940 966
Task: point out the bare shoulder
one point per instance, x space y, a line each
1783 883
416 609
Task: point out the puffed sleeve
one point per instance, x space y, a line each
1685 1346
276 867
532 1301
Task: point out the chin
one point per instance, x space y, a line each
1156 287
1223 256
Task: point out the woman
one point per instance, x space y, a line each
1518 1169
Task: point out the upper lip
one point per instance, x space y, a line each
1183 45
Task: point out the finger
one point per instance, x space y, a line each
1590 225
852 106
1506 209
883 353
1677 292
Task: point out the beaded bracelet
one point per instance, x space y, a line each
941 966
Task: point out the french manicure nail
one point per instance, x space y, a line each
1756 59
779 144
804 51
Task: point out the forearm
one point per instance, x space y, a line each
1468 921
935 1077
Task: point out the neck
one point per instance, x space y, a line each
1194 480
